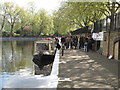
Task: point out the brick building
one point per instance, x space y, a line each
110 45
114 45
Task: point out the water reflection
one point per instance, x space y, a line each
17 57
0 56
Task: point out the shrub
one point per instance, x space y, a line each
5 33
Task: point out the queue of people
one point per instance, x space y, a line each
70 42
75 42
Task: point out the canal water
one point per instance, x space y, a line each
17 57
17 68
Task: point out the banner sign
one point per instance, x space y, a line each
97 36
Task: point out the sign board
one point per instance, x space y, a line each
98 36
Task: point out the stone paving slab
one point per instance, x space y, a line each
78 70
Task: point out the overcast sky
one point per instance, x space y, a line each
49 5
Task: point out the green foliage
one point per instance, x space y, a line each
16 18
73 15
16 35
5 34
70 16
26 33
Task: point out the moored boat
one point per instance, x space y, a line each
44 53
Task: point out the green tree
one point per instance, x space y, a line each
12 14
46 23
31 11
112 9
23 20
72 15
2 16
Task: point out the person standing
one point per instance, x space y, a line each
71 42
86 45
75 41
63 40
57 43
67 42
81 42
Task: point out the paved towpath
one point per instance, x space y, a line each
79 69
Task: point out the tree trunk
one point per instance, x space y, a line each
112 22
96 26
109 31
11 32
3 23
21 31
